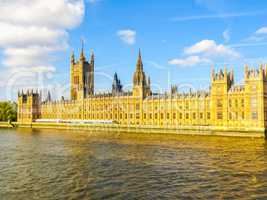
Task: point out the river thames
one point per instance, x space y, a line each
51 164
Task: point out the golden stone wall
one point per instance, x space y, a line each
224 105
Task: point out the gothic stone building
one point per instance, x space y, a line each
224 105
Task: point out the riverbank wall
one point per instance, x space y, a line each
189 130
6 125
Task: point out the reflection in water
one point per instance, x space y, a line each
52 164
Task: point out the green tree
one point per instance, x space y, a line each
8 111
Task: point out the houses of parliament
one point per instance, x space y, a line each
223 105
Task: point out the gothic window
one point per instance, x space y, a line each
219 115
219 103
242 103
187 116
253 102
254 115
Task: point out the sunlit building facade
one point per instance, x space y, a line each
223 105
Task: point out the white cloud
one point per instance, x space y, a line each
226 35
262 30
31 31
28 56
128 36
189 61
210 48
94 1
258 36
20 35
205 52
216 16
49 13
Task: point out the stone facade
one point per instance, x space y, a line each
224 105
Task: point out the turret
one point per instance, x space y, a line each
212 73
92 60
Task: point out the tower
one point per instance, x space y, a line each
221 82
28 107
255 96
82 76
141 85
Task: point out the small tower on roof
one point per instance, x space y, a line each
116 85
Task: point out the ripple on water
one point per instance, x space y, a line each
77 165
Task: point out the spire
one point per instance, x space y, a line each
225 71
92 60
72 57
115 76
246 71
82 57
261 71
48 99
212 72
139 65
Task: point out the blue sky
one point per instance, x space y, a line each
179 40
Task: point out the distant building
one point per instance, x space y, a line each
224 105
116 85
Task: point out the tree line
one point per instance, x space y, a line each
8 111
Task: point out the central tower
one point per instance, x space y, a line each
141 85
82 77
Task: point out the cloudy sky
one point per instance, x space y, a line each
179 41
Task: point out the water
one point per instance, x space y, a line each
52 164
